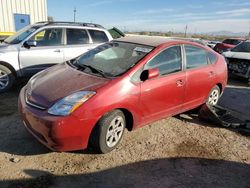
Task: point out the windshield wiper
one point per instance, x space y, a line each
93 69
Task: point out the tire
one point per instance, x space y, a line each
213 96
7 78
108 132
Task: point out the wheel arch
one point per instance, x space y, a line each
9 67
220 87
128 117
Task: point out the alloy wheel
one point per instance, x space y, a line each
115 131
4 79
214 97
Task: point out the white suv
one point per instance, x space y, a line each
44 44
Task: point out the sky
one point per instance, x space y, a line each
200 16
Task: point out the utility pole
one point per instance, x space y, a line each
249 32
74 14
185 35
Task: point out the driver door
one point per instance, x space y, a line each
47 52
163 96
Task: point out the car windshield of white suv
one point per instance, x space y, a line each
112 59
242 47
21 35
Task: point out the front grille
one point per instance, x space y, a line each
238 65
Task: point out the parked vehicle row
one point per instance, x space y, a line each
237 54
238 60
227 44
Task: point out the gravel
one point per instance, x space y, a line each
173 152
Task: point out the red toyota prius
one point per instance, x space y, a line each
126 83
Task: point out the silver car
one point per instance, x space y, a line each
44 44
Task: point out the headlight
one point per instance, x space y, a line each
70 103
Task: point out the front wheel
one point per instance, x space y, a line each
108 132
214 96
6 78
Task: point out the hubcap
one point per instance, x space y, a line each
115 131
213 97
4 79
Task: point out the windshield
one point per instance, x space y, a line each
242 47
112 59
21 35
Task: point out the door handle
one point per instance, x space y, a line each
57 50
179 83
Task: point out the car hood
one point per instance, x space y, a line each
51 85
237 55
8 47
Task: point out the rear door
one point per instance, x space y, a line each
163 96
48 52
200 76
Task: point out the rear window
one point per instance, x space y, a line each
243 47
232 41
98 36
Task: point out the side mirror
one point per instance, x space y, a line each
30 43
149 74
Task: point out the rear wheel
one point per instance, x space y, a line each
214 96
6 78
108 132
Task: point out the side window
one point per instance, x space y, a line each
168 61
98 36
77 36
48 37
195 57
212 58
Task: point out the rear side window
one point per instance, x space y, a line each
167 61
195 57
212 57
98 36
77 36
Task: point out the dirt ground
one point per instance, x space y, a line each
169 153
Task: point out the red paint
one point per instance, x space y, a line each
222 47
147 101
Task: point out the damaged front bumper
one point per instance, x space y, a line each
239 67
223 117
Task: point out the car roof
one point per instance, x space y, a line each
153 41
71 24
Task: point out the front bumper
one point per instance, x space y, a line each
239 70
55 132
